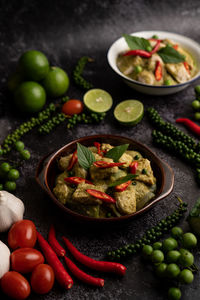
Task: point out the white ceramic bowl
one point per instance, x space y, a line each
120 45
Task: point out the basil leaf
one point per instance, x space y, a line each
135 42
116 152
85 156
123 180
170 55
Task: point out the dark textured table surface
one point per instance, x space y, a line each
64 31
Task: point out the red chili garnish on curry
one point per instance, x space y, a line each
158 71
77 180
133 167
139 52
122 187
73 160
101 195
104 164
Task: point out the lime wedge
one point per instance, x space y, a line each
97 100
129 112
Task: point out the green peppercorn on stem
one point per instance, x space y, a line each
151 235
52 123
171 130
78 73
25 127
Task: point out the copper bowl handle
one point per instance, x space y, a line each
40 171
169 181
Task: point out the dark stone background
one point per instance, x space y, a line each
64 31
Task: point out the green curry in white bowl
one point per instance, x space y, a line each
157 61
104 181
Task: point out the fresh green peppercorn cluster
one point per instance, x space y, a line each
78 71
178 148
169 129
52 123
24 128
85 119
150 236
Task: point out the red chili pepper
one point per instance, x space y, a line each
175 46
158 71
104 164
98 146
190 125
82 275
101 195
122 187
155 49
139 52
133 167
102 266
77 180
187 66
60 251
72 161
61 274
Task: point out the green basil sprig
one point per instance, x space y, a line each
136 43
85 156
116 152
170 55
123 180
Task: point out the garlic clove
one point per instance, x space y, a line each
5 259
11 210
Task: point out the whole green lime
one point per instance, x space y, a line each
30 97
34 64
56 82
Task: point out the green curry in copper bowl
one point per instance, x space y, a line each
104 178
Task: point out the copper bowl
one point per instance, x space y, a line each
47 171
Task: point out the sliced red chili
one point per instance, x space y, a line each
175 46
156 48
158 71
122 187
77 180
101 195
98 146
139 52
187 66
72 161
133 167
104 164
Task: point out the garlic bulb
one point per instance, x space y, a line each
5 259
11 210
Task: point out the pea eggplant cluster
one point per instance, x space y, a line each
150 236
172 260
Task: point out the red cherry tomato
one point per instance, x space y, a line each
72 107
42 279
24 260
15 285
22 234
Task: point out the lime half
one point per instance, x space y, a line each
97 100
129 112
